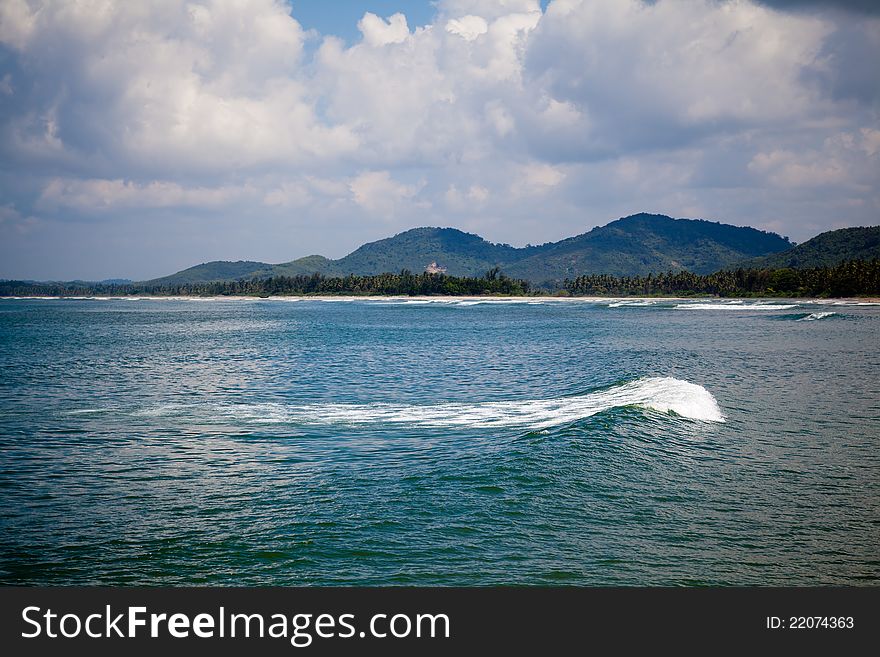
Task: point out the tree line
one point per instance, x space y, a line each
849 278
404 283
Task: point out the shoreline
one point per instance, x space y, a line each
442 298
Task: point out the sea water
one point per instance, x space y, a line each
439 442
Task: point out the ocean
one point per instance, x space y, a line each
439 442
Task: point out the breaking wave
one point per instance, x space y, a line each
735 306
665 395
641 303
450 301
812 317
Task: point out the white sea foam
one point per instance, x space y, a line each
488 302
739 305
461 302
665 395
812 317
164 410
632 304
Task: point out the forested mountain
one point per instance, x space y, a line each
634 245
219 270
463 254
644 243
825 250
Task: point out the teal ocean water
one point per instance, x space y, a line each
442 442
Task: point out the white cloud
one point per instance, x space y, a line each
454 198
561 114
12 220
378 32
536 179
472 199
380 194
488 9
17 22
467 27
288 194
478 194
843 161
660 74
202 87
628 170
211 86
870 142
328 187
500 118
99 195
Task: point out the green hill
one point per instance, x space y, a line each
630 246
307 265
218 270
645 243
463 254
825 250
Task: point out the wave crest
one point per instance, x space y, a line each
639 303
662 394
812 317
735 306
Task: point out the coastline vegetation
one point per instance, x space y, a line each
404 283
846 279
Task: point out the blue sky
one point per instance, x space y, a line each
340 17
142 138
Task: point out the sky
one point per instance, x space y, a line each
140 138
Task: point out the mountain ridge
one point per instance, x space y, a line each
825 250
635 245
